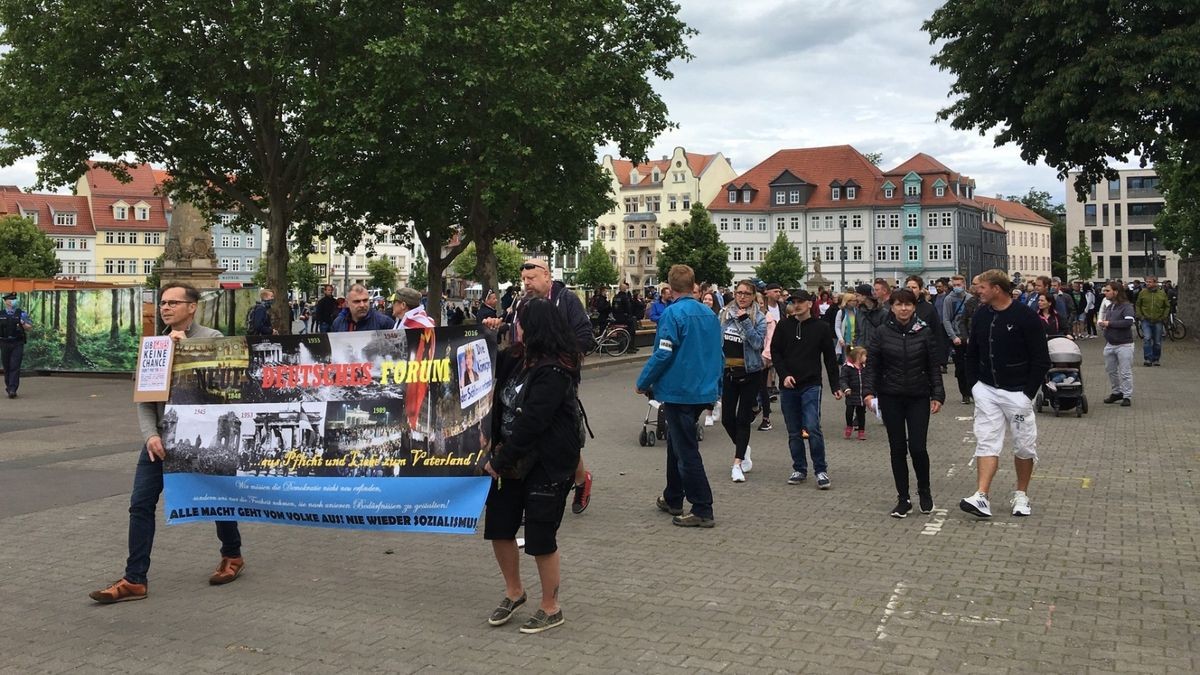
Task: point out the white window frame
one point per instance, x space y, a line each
947 251
881 252
836 194
947 219
912 189
249 264
894 221
723 224
737 253
794 224
912 219
65 218
794 196
856 252
686 201
934 253
141 213
939 191
851 192
931 219
888 193
856 221
745 196
780 198
733 196
894 252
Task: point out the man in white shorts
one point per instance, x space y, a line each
1007 359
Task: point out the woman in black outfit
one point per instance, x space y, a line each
535 451
903 372
1055 325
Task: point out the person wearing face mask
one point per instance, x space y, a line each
954 321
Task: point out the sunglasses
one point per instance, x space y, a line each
532 266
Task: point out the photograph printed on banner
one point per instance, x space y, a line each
368 438
474 372
257 439
211 370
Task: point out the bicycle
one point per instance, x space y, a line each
1175 327
613 340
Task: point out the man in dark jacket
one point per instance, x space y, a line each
327 309
1007 358
487 310
359 314
260 316
14 329
627 313
800 344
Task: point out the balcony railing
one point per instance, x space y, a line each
1141 219
1132 193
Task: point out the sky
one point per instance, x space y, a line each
775 74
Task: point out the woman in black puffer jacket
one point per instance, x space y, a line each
903 373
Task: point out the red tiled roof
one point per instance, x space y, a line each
922 164
1012 210
103 219
13 200
930 169
103 182
696 162
816 166
994 226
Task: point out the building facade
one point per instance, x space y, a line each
1027 235
347 268
1117 221
238 253
66 219
130 220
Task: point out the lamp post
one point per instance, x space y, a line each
842 232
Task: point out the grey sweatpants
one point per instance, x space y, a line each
1118 362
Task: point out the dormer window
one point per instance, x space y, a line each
120 211
939 191
837 194
65 219
655 176
851 192
912 189
780 197
888 192
745 196
634 178
733 196
141 211
793 196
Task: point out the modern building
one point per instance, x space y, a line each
64 218
130 220
1117 221
649 197
1028 236
832 203
238 253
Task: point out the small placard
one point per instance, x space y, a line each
152 380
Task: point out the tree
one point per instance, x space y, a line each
302 276
783 265
25 251
381 274
1073 83
229 97
874 157
1080 265
154 279
696 243
596 268
508 263
1179 223
418 276
499 133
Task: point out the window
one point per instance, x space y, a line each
612 236
881 252
672 203
939 191
837 194
680 176
794 223
888 192
142 213
120 212
147 265
249 264
815 223
856 221
912 219
780 197
649 258
894 221
914 253
745 196
654 204
250 241
225 263
723 225
83 244
32 216
236 241
793 196
828 253
226 218
71 244
856 252
687 202
108 266
762 224
851 192
132 264
58 242
737 224
931 219
737 254
152 238
630 257
894 252
235 265
630 204
324 246
224 241
933 252
816 251
880 220
644 232
842 222
70 267
64 219
629 231
762 253
912 189
121 236
829 222
947 251
947 218
83 267
733 196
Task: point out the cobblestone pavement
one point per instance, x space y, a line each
1104 577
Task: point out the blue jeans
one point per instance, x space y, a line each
147 486
1152 333
802 411
685 467
11 354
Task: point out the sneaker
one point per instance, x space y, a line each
1020 504
966 400
862 434
504 610
667 508
903 506
1146 364
120 591
926 502
739 476
1126 402
1156 363
1113 398
540 622
747 463
977 505
797 478
693 520
822 481
228 570
847 432
766 425
583 494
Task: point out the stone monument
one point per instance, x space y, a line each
189 255
817 280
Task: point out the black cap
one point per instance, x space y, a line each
773 287
801 296
864 289
10 296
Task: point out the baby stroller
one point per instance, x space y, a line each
1063 386
654 427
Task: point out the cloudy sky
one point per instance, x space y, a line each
774 74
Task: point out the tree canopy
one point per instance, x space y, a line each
418 275
302 276
508 263
696 244
25 251
1179 223
1079 264
381 274
596 268
1073 83
783 264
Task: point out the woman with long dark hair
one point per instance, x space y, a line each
1117 322
1048 313
535 449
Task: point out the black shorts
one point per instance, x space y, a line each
541 502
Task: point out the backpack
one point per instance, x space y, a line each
255 317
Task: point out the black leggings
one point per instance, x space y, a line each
737 408
907 422
960 370
856 417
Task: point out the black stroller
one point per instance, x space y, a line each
1062 389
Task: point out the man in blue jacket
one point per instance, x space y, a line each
359 314
684 374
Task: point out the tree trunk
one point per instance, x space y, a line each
45 301
486 267
57 309
277 264
135 312
114 318
434 305
71 353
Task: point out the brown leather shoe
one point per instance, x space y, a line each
120 591
227 571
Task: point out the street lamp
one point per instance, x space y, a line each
842 232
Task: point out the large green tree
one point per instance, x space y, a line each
783 264
25 251
1179 223
697 244
1080 264
596 268
508 263
502 105
302 276
1074 83
229 97
381 274
418 274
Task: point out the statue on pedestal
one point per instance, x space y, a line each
188 254
817 280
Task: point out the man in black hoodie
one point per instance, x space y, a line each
1007 358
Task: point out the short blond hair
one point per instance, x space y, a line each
997 277
681 278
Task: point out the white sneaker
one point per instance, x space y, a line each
977 505
747 465
738 475
1020 504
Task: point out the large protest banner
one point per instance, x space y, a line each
374 430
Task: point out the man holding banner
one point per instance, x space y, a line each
177 306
